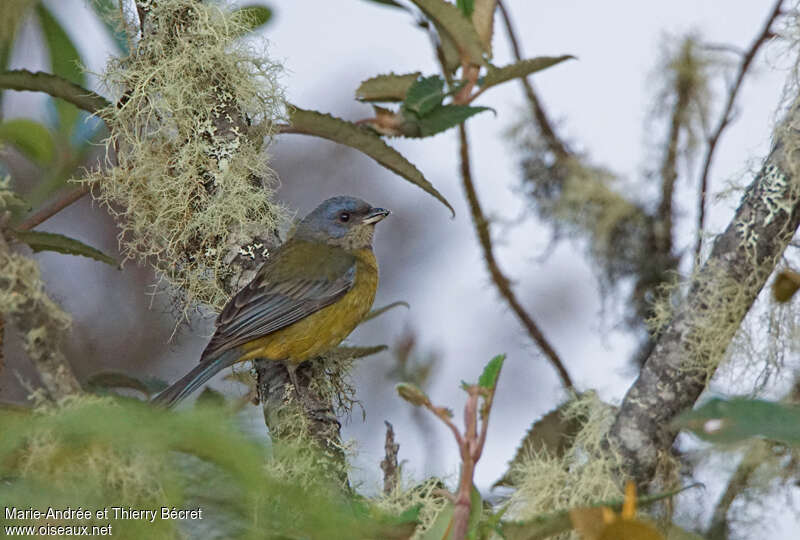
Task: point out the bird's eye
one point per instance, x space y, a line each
344 217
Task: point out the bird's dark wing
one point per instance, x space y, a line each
274 300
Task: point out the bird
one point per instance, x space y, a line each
303 301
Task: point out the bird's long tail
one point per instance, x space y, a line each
191 381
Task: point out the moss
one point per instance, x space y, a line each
194 113
585 474
408 495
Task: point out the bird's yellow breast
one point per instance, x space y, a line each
326 328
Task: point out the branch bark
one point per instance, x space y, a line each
500 280
720 294
22 79
554 143
725 119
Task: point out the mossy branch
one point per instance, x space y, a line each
500 280
720 294
22 79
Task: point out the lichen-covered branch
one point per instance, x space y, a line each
22 79
501 281
720 294
40 321
725 118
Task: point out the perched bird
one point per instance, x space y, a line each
304 300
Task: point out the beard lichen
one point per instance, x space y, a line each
586 473
194 111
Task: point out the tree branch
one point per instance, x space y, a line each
389 464
554 143
501 281
720 294
52 209
725 119
22 79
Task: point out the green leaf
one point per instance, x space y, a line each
412 393
389 87
347 133
729 421
253 16
491 372
466 6
475 512
115 379
459 29
444 117
523 68
442 527
424 95
44 241
64 61
380 311
31 138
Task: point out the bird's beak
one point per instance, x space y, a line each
375 215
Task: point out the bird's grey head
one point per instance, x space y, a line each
342 221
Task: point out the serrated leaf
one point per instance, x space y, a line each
729 421
483 20
786 284
466 6
114 379
380 311
445 117
64 61
424 95
412 393
31 138
491 372
451 20
253 16
45 241
523 68
347 133
552 434
386 88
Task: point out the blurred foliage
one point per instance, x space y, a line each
93 452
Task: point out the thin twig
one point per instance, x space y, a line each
669 170
22 79
389 464
502 282
725 119
52 209
553 142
